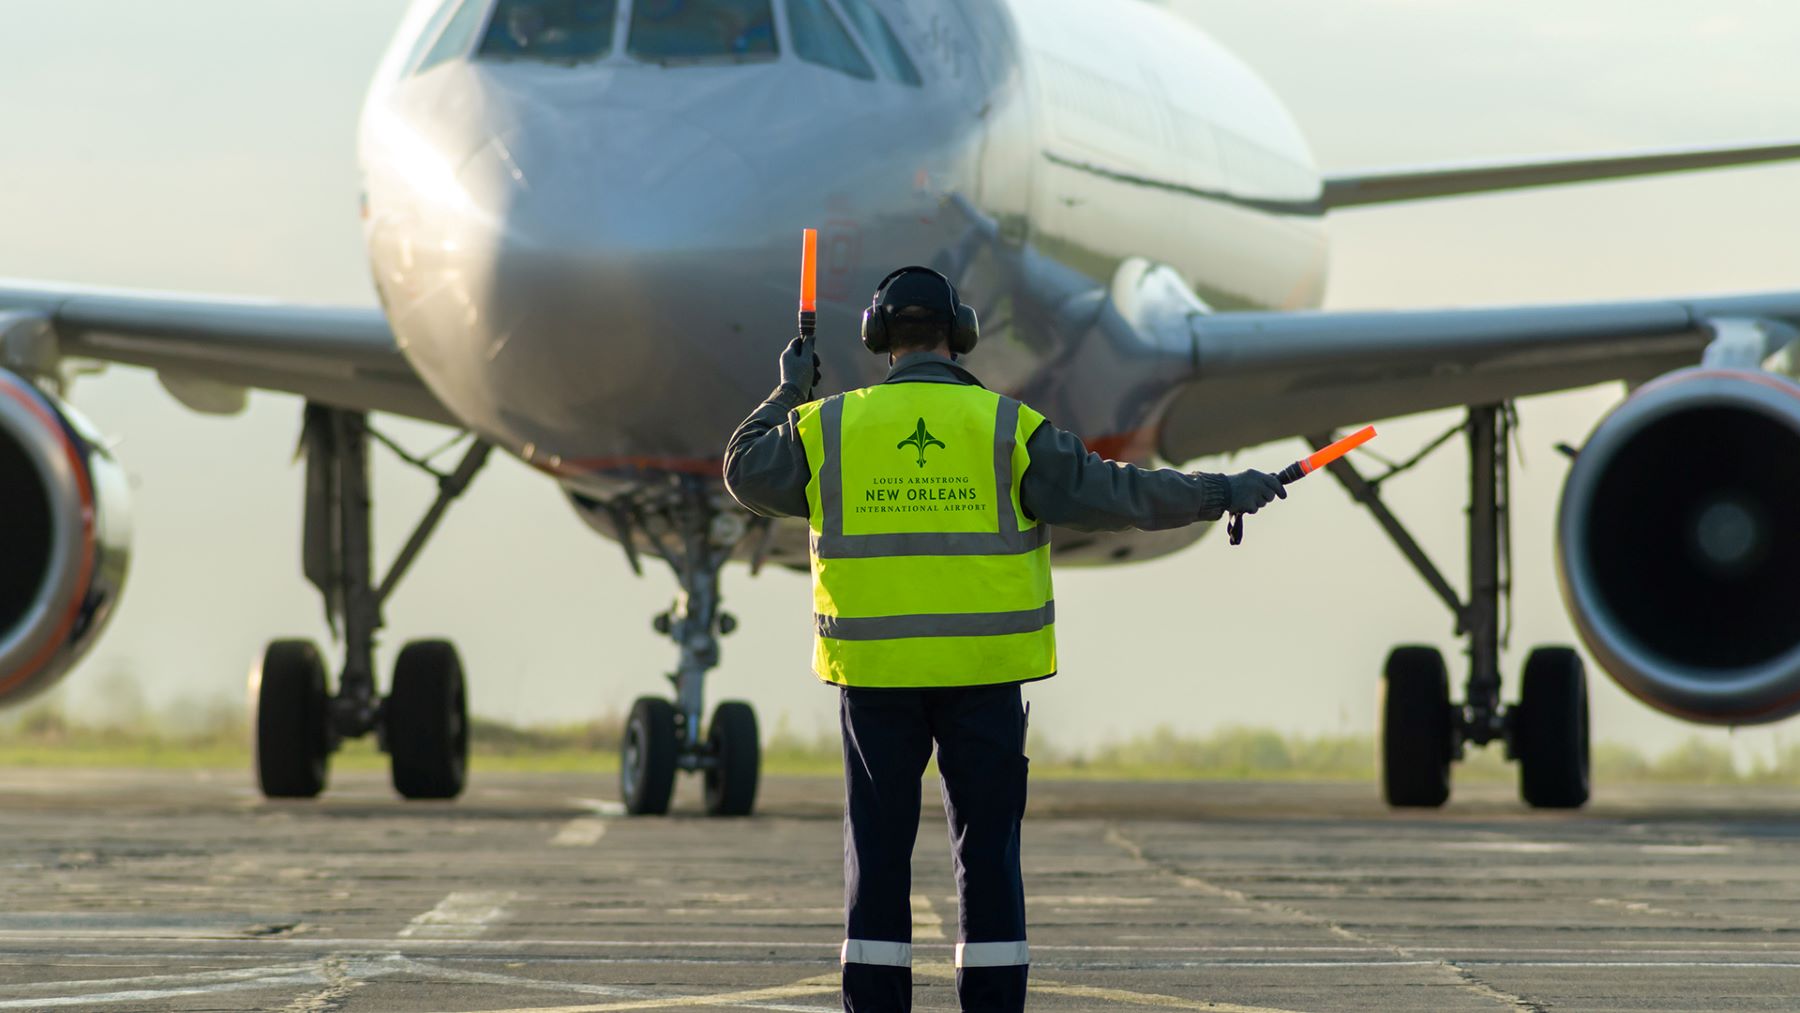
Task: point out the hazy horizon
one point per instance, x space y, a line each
209 147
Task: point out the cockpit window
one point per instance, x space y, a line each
428 34
553 31
457 35
883 44
819 37
682 31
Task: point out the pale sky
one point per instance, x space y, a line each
208 146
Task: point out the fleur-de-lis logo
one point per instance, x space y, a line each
920 439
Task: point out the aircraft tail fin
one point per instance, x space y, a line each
1383 186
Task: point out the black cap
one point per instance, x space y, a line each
917 295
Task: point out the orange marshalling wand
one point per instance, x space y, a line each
809 281
1304 467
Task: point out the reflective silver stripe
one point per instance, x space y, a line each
925 543
992 954
948 624
832 543
877 951
1006 427
831 470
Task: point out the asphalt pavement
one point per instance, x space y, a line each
180 890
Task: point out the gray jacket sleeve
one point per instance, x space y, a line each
1071 487
765 464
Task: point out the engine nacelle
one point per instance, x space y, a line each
64 538
1679 545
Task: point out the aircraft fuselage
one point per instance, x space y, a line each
594 264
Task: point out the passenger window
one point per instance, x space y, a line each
553 31
883 43
679 31
457 35
819 37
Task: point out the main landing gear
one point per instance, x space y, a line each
1423 731
685 526
423 722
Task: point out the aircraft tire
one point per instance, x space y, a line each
1417 729
737 760
647 757
292 741
426 717
1550 734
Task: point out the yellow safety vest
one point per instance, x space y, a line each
926 571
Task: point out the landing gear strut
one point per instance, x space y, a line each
423 722
685 526
1423 731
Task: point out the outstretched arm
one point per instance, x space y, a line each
1069 486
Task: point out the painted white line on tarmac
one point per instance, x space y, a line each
756 997
334 973
1514 847
599 806
145 981
926 922
464 914
579 832
1691 953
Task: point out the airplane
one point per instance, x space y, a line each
581 218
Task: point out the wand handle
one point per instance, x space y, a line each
809 286
1234 528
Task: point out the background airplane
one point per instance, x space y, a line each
1146 358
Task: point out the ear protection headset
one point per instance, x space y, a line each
959 320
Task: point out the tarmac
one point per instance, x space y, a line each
181 890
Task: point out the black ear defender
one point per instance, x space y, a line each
964 328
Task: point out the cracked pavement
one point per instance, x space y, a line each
181 890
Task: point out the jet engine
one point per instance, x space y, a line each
1679 545
64 538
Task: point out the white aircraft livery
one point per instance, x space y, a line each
1140 225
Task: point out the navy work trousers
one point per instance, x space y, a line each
980 737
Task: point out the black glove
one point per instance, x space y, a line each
798 373
1253 490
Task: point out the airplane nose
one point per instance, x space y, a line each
624 181
614 284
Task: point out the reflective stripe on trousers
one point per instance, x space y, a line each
880 952
889 954
992 954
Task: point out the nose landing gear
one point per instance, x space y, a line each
685 526
1423 731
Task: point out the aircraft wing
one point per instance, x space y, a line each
1383 186
203 348
1256 377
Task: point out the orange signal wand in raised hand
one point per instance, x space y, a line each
1304 467
809 284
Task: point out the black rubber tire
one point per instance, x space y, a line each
736 750
1550 731
1417 728
292 736
647 757
426 717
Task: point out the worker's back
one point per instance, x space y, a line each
927 571
929 497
